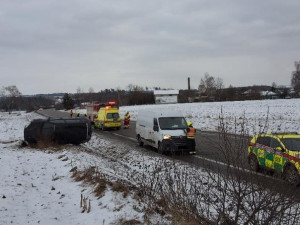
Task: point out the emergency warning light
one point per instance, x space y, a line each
112 102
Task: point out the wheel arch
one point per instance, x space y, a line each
288 165
251 154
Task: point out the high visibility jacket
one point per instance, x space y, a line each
192 133
127 116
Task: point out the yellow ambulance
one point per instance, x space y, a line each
276 152
108 117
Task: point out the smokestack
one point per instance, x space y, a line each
189 84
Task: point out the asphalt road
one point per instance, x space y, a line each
214 151
209 145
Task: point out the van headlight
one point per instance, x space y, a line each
167 136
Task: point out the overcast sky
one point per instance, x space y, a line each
52 46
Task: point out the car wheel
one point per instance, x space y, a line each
160 148
291 175
140 141
253 163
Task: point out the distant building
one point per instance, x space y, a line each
166 96
269 95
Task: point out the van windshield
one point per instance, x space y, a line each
172 123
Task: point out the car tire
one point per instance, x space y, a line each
141 143
291 175
160 148
253 163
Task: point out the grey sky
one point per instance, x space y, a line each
57 46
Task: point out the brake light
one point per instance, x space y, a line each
252 144
105 121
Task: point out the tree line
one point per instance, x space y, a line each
210 89
11 99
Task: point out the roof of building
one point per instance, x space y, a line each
166 92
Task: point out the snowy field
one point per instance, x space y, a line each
282 115
37 187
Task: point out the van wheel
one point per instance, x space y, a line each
103 128
160 148
291 175
140 141
253 163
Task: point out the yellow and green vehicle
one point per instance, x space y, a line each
277 152
108 117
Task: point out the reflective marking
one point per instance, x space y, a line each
237 168
120 135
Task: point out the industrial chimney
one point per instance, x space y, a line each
189 84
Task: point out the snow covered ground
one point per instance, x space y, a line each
282 115
37 187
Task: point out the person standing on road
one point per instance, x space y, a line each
126 120
191 133
71 113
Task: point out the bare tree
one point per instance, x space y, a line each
133 87
223 194
79 96
91 90
207 83
296 77
211 86
9 95
219 84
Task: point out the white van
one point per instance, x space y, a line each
164 130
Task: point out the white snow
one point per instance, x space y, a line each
36 184
37 188
282 115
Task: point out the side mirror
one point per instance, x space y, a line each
155 127
279 149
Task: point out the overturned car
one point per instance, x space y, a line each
61 131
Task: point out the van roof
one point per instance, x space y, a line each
161 113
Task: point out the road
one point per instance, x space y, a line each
208 144
214 151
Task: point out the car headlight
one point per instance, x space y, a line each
167 136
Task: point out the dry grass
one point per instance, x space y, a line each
46 143
130 222
120 187
92 176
